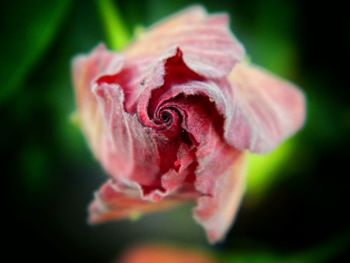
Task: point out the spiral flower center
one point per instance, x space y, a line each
165 116
168 119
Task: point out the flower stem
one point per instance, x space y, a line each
117 34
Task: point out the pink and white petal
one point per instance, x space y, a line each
117 201
216 212
129 150
209 47
214 158
129 78
184 165
154 80
164 28
211 90
266 109
85 69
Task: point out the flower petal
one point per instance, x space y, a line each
85 70
117 201
129 150
266 109
216 212
129 78
209 47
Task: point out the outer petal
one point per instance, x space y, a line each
85 70
129 150
219 174
129 78
209 47
216 212
266 109
117 201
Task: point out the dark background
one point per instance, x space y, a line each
297 212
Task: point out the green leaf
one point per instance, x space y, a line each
29 29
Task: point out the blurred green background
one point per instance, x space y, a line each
297 202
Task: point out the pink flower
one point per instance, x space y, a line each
170 117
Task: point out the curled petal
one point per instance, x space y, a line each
209 47
116 201
216 212
129 151
129 79
266 109
170 70
85 70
